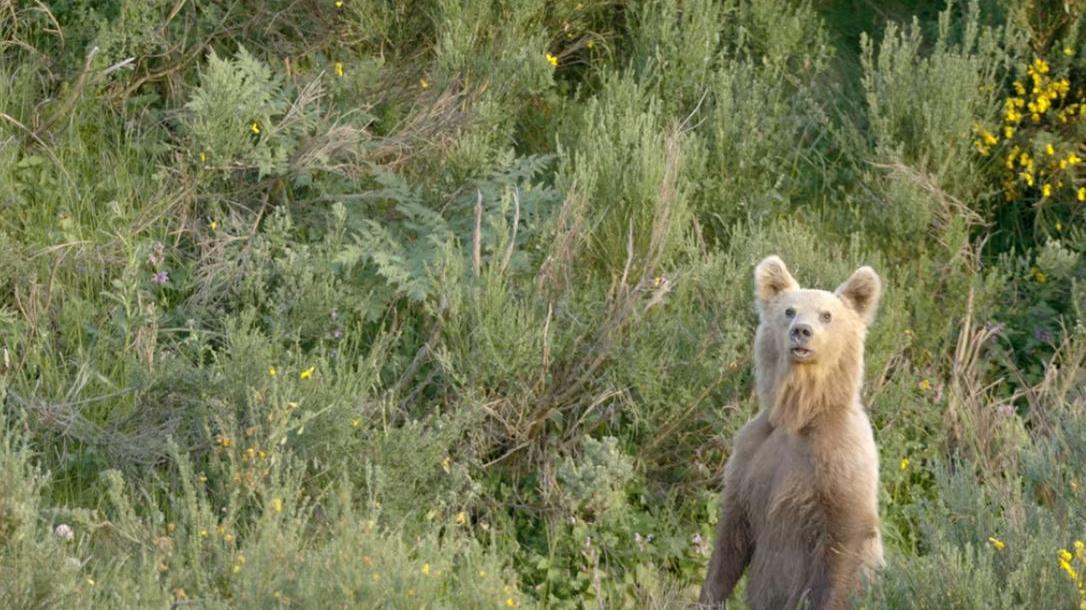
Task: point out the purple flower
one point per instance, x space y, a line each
160 277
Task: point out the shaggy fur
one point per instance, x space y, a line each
801 486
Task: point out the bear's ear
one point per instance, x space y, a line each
771 278
861 292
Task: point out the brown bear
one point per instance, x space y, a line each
801 487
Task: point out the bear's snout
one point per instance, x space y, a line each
800 334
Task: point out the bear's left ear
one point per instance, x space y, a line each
861 292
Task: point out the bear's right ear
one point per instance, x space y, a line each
771 278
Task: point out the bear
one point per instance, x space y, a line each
800 499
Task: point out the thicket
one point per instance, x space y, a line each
447 303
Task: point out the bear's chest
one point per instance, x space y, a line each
784 484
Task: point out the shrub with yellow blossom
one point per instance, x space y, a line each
1037 145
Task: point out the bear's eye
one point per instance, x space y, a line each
826 317
790 313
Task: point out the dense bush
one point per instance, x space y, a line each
447 303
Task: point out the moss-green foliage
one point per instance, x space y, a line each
447 303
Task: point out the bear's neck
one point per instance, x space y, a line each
803 394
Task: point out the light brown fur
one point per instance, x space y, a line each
801 486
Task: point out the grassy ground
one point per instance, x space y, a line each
447 304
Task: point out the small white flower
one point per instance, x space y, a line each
64 532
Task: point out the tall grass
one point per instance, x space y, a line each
447 304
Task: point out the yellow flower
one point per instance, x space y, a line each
1040 65
356 422
424 83
1080 546
1059 226
590 44
203 533
446 464
339 69
997 543
1081 194
1073 159
1019 88
90 581
203 157
1039 276
552 60
1066 567
426 569
461 518
339 3
254 127
1049 150
482 572
272 371
1068 51
1065 555
925 385
277 505
213 225
306 374
904 463
1046 190
1008 132
510 602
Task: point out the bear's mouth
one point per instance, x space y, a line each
802 353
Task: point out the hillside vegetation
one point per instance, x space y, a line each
448 303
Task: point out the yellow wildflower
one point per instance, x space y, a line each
997 543
590 44
1065 555
203 157
254 127
339 69
1068 51
426 569
552 60
446 464
1008 132
203 533
424 83
510 602
1046 190
1081 194
482 572
1073 159
1039 276
90 581
1067 567
1019 88
339 3
1059 226
306 374
1049 150
925 385
272 371
1040 65
904 463
356 422
277 505
461 518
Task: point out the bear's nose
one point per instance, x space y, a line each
801 333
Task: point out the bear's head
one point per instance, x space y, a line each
810 342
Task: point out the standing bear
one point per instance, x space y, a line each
801 486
